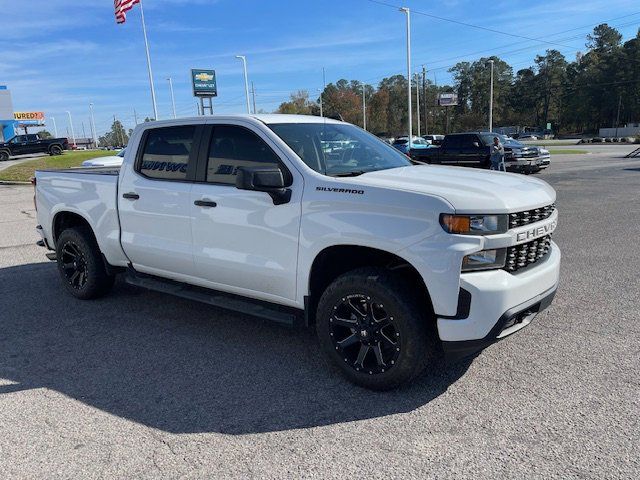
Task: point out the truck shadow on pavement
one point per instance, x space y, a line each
180 366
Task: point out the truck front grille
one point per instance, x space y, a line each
525 254
520 219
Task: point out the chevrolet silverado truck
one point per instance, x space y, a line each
390 262
473 149
32 143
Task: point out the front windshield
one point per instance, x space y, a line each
339 149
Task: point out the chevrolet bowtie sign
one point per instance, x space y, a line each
204 83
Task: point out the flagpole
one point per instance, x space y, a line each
146 46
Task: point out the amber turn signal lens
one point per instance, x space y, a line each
456 223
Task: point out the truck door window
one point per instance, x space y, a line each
166 152
232 147
452 141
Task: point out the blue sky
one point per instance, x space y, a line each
59 55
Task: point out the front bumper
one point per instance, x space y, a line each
500 304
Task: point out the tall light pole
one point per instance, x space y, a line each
364 107
321 106
73 134
246 80
406 11
93 126
418 101
55 128
491 99
173 98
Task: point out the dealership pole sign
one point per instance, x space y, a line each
448 99
204 83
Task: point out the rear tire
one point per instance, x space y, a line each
55 150
80 264
370 325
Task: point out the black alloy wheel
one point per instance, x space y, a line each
81 264
4 155
56 150
74 265
364 334
373 326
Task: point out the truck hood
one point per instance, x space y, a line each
468 190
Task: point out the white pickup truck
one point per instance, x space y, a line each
299 218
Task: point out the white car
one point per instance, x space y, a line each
252 213
108 161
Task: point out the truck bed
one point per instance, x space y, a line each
91 193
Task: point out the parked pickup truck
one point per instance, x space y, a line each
473 150
388 260
32 143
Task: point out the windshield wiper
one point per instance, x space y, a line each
353 173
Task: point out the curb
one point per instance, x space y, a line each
9 182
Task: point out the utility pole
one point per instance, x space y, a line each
364 108
55 128
491 99
426 105
93 127
253 94
418 101
173 98
135 116
84 134
406 11
618 115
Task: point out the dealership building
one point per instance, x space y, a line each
10 121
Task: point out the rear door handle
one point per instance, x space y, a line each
205 203
131 196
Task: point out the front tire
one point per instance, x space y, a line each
80 264
370 325
4 155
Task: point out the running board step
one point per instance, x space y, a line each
275 313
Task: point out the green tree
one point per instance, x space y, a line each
116 137
44 134
299 103
552 71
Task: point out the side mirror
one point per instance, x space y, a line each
476 144
264 179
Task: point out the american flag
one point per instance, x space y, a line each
122 7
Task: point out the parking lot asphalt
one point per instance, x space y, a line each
143 385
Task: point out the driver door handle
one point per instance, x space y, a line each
205 203
131 196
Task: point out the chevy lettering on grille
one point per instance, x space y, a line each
536 232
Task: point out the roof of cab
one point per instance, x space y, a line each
267 118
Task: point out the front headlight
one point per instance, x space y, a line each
543 151
484 260
516 153
474 224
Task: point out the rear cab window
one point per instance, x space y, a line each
167 153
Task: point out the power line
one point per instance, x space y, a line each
471 25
